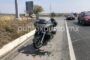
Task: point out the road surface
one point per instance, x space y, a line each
80 37
56 49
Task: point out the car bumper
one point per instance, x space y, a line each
87 21
70 18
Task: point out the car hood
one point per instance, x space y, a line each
87 17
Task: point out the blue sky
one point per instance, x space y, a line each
61 6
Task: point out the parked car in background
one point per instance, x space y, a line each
70 17
75 14
84 18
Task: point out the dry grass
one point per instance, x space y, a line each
9 27
5 20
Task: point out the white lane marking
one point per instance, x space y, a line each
71 50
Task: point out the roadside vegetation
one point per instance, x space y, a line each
37 9
9 28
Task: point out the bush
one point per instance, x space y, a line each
52 14
10 29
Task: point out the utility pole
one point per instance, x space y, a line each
16 9
50 7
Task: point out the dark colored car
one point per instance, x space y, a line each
70 17
84 18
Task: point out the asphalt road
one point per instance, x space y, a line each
80 36
56 49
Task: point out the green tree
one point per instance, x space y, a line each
52 15
37 9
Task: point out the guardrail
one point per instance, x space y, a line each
10 46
